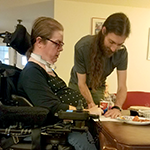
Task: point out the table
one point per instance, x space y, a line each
122 136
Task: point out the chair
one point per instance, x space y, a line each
17 123
26 127
19 119
23 122
137 98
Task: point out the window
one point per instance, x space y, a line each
24 60
4 54
10 57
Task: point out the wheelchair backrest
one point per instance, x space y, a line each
8 83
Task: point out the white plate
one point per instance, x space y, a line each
139 107
128 119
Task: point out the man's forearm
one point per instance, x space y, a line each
121 97
86 93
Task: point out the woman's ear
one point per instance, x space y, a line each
104 30
38 41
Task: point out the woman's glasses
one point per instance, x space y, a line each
59 45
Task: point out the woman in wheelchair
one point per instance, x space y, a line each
40 84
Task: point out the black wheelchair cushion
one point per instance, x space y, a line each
31 116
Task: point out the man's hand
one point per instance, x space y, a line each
113 113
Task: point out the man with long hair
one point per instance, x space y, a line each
96 56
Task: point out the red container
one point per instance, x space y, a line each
105 104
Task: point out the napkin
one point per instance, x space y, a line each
103 118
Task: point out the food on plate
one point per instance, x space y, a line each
122 117
136 118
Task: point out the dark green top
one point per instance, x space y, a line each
42 89
82 60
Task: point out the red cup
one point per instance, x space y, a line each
104 104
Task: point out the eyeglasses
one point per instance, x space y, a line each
59 45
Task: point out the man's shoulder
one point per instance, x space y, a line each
123 49
120 54
84 41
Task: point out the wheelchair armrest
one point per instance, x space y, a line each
21 101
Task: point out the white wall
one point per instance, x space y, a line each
37 9
76 19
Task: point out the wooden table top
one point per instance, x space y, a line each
126 136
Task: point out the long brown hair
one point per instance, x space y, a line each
118 24
43 27
97 61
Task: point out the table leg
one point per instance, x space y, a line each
105 144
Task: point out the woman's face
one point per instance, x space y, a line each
53 47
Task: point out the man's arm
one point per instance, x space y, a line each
122 88
85 90
121 94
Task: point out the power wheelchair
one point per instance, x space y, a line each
25 127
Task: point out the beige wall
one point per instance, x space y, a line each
76 19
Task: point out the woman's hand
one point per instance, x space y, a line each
95 110
90 105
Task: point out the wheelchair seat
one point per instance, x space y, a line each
19 123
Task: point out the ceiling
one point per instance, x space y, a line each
130 3
28 10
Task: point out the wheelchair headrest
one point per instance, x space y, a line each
20 39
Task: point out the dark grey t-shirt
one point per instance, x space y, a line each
82 60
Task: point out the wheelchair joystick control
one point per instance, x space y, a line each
77 115
79 106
